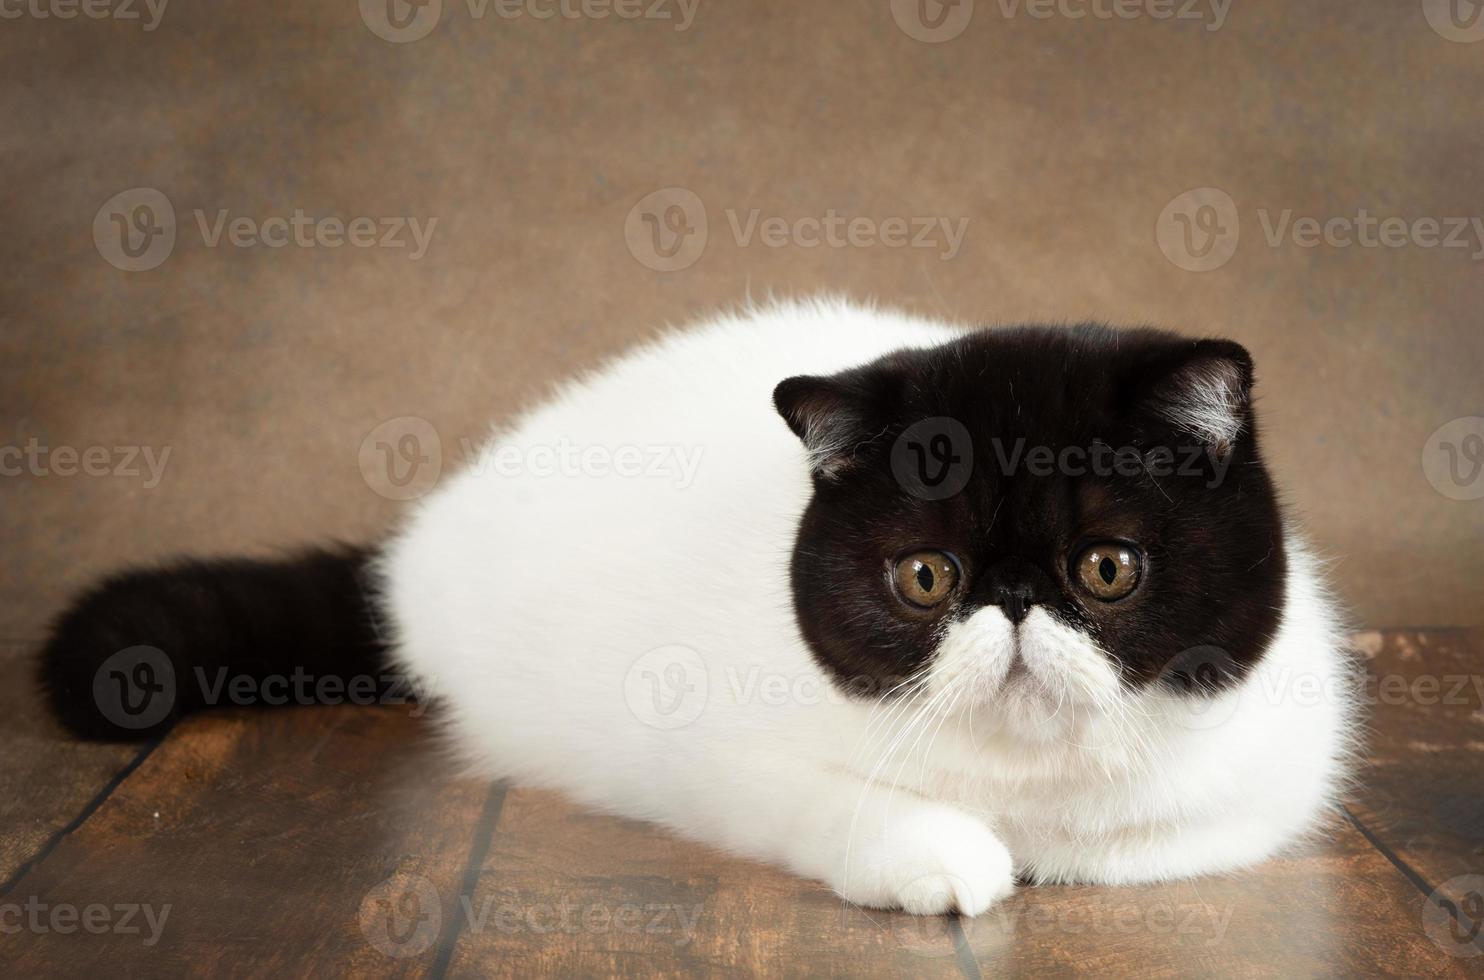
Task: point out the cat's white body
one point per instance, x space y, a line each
631 641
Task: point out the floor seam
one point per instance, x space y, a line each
1408 872
484 835
89 808
962 954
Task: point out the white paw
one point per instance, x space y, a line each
932 861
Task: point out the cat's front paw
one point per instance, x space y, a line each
932 861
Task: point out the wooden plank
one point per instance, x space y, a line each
283 842
565 892
47 779
1338 909
1421 796
304 840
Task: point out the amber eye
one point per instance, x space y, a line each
925 578
1109 570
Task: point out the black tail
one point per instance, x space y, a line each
144 647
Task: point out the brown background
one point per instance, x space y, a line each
1059 140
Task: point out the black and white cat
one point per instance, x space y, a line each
978 605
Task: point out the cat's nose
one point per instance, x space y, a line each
1014 600
1015 586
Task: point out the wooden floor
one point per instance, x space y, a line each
323 840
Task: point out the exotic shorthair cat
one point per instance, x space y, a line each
936 608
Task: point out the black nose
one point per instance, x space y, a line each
1015 600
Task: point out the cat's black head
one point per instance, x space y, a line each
1080 507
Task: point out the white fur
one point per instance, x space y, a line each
1208 404
532 603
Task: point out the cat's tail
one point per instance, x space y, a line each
146 646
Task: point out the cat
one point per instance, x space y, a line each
933 608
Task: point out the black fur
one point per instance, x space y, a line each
1213 583
204 633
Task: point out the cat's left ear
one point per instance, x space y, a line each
832 415
1203 389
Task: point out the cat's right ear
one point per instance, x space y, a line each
830 414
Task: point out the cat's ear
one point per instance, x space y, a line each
1203 389
832 415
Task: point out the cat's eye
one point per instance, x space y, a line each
1108 570
925 579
